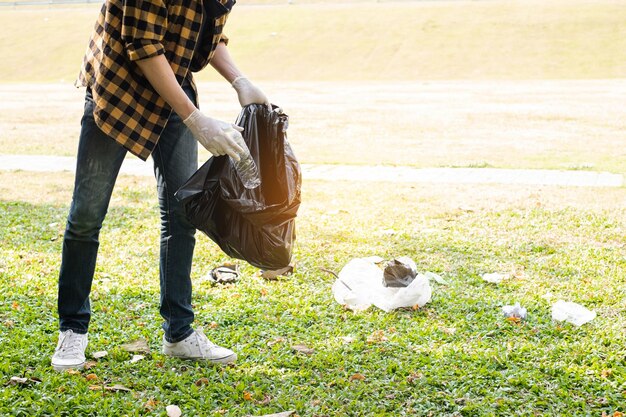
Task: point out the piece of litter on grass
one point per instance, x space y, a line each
139 345
435 277
399 273
274 274
173 411
303 349
224 274
136 358
112 388
515 311
16 380
99 354
494 278
572 313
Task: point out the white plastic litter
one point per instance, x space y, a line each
494 278
572 312
514 311
360 284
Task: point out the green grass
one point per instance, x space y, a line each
456 356
438 40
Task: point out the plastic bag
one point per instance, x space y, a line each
360 284
572 312
256 225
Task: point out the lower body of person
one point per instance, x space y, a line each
98 163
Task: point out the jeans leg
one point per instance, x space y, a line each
98 163
175 160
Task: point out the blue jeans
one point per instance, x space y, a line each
98 163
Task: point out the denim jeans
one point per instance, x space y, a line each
98 163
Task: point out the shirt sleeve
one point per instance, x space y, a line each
144 24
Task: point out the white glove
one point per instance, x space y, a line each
248 93
219 138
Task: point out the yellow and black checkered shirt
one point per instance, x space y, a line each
126 107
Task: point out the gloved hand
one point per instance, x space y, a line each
248 93
219 138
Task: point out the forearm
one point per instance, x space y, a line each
224 64
160 75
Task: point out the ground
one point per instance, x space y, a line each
535 85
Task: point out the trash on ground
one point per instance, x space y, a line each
399 273
572 313
494 278
16 380
138 346
303 349
224 274
272 275
360 284
99 354
515 311
436 277
173 411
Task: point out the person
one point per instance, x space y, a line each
141 98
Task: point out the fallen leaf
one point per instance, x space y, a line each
150 405
136 358
16 380
139 345
72 372
112 388
247 396
202 381
90 364
377 336
449 330
315 403
357 377
303 349
277 340
606 373
347 339
515 320
91 377
236 295
99 354
213 325
263 292
173 411
274 274
415 307
265 401
414 377
390 396
9 323
15 305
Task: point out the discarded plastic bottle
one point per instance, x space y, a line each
245 167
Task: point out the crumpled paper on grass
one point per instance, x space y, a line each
360 284
572 313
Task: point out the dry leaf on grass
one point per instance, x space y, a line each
202 381
173 411
377 336
112 388
91 377
303 349
247 396
273 275
274 341
357 377
16 380
150 405
99 354
90 364
136 358
140 346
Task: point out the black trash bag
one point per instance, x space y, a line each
256 225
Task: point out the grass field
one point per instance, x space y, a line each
455 357
371 41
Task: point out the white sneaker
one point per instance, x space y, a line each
70 351
197 346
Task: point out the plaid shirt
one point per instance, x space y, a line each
126 107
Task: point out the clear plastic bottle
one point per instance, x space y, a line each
245 167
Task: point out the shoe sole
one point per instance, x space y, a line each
61 368
223 361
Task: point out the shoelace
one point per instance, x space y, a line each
71 344
204 344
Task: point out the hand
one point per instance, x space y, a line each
248 93
219 138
